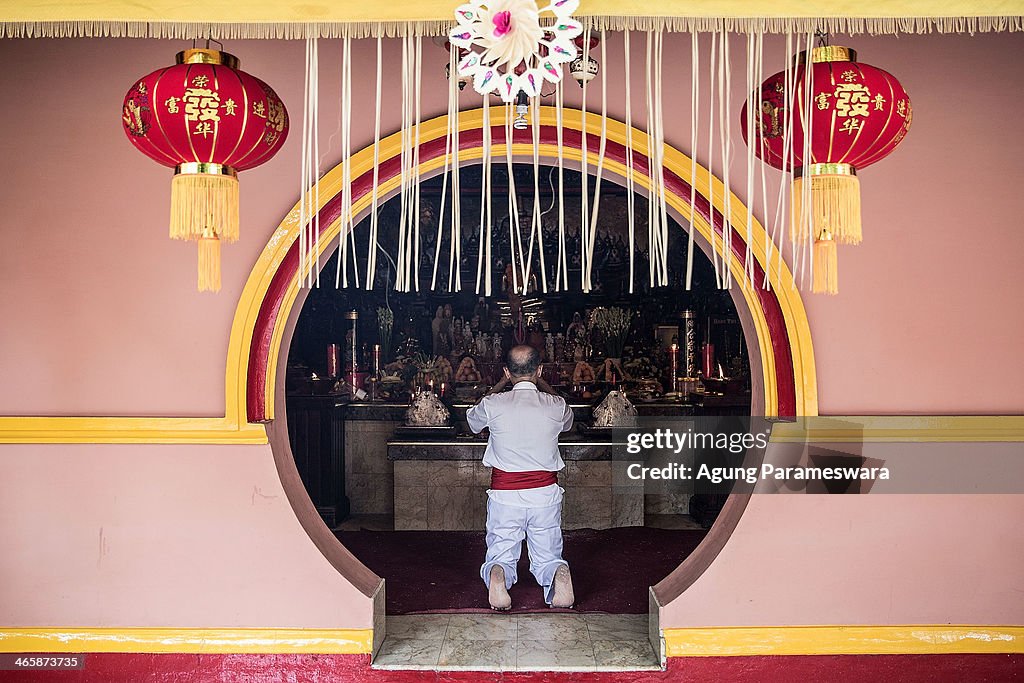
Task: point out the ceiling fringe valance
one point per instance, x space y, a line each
270 19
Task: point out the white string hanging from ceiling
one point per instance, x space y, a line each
659 146
725 138
595 212
347 223
515 233
403 190
710 187
630 198
802 213
694 125
371 256
586 252
562 273
309 176
416 212
651 189
455 243
483 266
444 183
750 86
536 224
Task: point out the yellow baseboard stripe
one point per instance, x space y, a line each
901 429
679 642
842 640
188 640
162 430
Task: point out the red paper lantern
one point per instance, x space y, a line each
207 120
858 115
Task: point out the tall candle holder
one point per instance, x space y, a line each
354 317
673 354
690 342
375 378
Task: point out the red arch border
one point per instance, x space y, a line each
270 309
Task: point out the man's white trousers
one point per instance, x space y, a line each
508 525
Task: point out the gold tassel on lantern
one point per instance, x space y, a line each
826 266
202 196
209 262
835 202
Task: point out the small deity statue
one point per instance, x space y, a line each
577 338
496 348
456 334
435 331
446 337
549 348
481 315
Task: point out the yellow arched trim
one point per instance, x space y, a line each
331 184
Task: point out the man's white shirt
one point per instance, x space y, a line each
524 425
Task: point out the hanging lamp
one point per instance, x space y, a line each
858 115
207 120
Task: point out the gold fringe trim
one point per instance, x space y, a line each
826 266
391 29
835 207
209 264
202 202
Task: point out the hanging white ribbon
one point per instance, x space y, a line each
309 176
630 198
371 256
694 124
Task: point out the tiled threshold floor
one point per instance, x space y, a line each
525 642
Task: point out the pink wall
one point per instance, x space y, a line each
101 317
182 536
888 558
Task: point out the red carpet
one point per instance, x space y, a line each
439 571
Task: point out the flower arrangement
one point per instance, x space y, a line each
613 324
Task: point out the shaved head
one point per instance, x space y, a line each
522 361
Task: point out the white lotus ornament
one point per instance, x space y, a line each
510 49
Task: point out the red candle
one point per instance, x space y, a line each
709 359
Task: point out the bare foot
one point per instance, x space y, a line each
563 595
497 594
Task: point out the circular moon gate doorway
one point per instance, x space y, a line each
773 321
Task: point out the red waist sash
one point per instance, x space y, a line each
514 481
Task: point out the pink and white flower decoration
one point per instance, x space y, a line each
509 50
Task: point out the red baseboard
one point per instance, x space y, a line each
191 668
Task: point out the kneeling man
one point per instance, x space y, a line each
524 500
